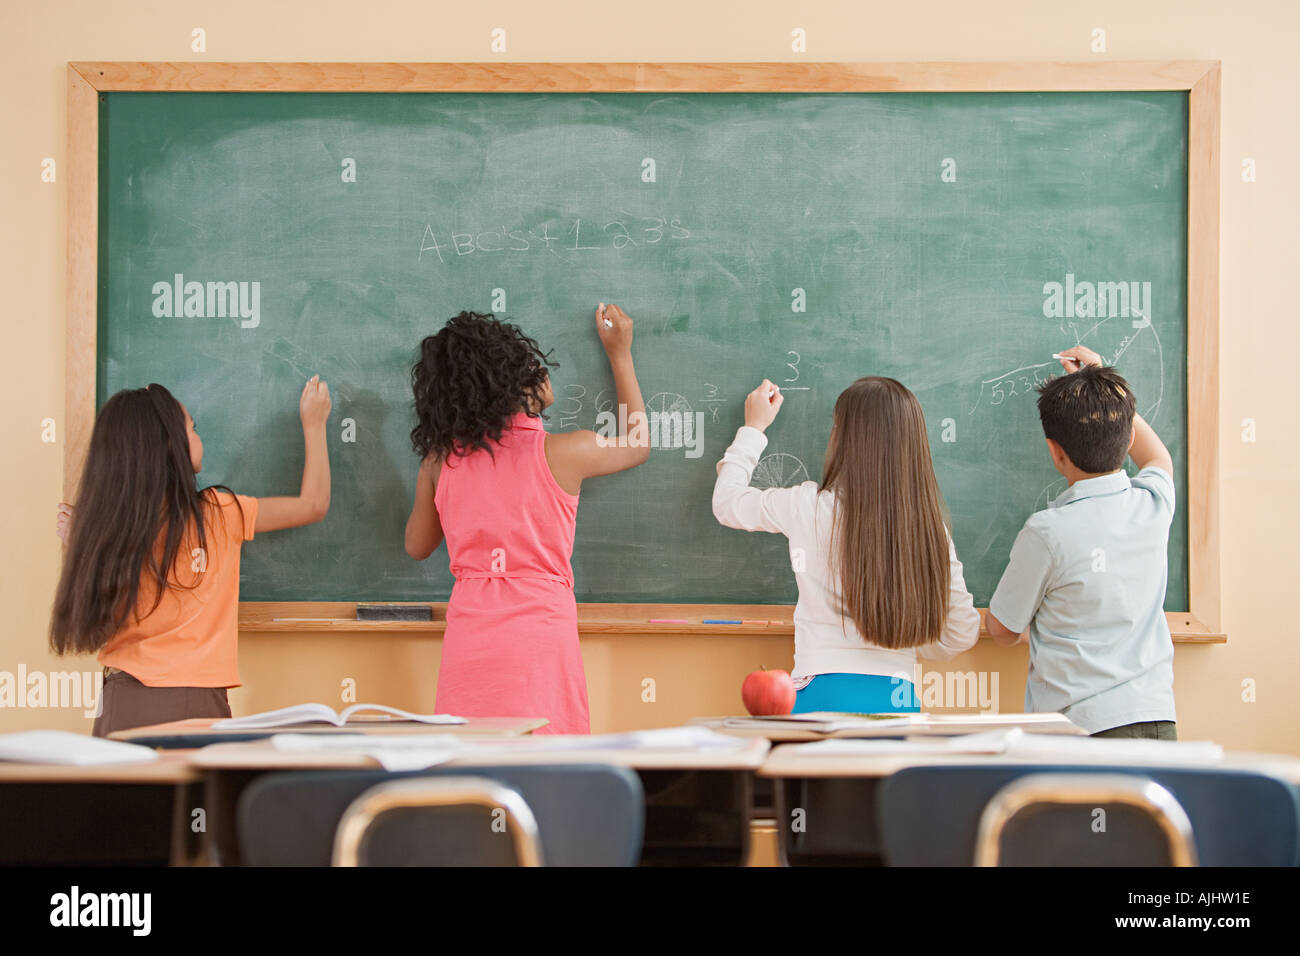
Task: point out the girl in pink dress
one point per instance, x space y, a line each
504 494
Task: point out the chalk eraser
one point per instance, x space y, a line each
394 612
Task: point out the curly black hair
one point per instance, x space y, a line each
471 377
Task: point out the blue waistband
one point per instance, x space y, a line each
857 694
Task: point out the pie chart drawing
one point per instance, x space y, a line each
670 417
779 470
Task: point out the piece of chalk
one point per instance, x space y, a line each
1068 358
608 324
771 393
718 620
764 623
669 620
394 612
782 623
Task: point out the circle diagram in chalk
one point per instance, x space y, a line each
779 470
671 418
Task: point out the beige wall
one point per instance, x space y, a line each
1260 338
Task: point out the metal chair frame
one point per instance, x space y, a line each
1082 789
363 813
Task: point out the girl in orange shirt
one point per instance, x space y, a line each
151 570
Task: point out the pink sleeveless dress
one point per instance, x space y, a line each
511 644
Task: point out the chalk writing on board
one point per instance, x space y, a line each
670 420
779 470
1010 385
1050 493
793 366
1022 381
675 424
583 235
569 406
713 402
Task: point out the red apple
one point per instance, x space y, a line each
768 692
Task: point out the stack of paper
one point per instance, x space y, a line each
62 747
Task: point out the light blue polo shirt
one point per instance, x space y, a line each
1087 576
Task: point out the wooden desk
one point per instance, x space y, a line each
169 768
764 795
130 813
697 803
824 785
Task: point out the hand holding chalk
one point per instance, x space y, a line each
614 327
1080 355
762 405
314 403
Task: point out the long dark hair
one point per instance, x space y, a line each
471 377
889 543
136 501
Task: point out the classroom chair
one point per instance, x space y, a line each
584 815
930 816
1052 819
410 805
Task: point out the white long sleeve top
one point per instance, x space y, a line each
825 642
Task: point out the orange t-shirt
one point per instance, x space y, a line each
191 638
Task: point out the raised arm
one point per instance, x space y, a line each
424 527
312 502
1148 450
735 503
574 456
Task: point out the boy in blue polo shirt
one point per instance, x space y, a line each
1087 576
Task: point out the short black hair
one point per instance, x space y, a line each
1089 413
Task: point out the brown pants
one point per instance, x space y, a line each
128 703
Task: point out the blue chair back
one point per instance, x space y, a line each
587 815
929 816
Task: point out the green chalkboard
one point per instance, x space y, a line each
808 238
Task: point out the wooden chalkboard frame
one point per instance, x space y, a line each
1200 78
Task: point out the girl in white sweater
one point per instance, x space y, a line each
879 580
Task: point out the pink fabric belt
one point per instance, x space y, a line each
513 576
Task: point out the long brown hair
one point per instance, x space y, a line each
889 544
136 503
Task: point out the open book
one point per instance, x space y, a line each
324 714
